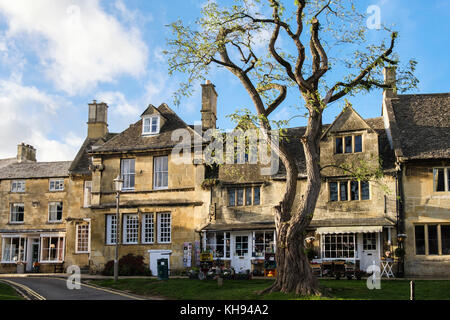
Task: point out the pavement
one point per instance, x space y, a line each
48 287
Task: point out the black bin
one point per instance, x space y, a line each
163 269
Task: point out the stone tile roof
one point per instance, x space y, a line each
80 165
295 146
26 170
422 125
132 138
7 162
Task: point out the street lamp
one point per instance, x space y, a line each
118 183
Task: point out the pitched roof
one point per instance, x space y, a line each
132 138
422 125
7 162
295 146
26 170
80 165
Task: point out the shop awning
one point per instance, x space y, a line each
350 229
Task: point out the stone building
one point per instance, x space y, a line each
419 130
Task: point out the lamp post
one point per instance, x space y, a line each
118 183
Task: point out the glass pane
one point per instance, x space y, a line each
354 190
333 191
432 239
439 180
240 197
248 196
257 196
339 148
232 197
420 239
344 193
445 238
348 144
365 191
358 143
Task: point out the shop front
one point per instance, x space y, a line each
242 250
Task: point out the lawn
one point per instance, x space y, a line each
187 289
8 293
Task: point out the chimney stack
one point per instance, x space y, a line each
390 78
98 120
25 152
209 106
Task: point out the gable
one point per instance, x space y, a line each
347 121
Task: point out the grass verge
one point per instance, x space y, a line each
8 293
187 289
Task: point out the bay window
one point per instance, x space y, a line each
14 249
52 249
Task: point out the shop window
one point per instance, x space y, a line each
264 242
338 246
52 249
14 249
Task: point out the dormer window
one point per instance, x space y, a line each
150 125
348 144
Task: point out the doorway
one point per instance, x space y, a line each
241 252
33 252
370 250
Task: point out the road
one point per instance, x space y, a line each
43 288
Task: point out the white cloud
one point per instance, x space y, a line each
28 115
77 45
119 104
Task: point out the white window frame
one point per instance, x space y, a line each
59 258
18 186
130 228
160 173
148 228
111 229
147 129
324 251
446 179
264 243
161 216
22 251
80 227
87 194
12 206
56 185
127 174
50 205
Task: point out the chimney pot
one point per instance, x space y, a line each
26 152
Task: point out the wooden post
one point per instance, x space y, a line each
412 291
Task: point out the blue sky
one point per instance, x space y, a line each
56 56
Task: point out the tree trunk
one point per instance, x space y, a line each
294 274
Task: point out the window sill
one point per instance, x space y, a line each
16 223
55 222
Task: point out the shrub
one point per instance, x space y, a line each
129 265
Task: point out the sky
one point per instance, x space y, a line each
56 56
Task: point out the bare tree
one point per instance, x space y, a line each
317 36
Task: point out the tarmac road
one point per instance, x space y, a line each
46 288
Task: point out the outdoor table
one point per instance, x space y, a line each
386 265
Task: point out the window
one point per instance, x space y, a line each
82 238
17 212
432 239
349 190
240 196
87 193
369 241
348 144
111 229
14 249
218 243
56 185
127 172
164 227
338 246
264 242
241 246
150 125
441 177
18 186
161 172
55 211
52 249
130 229
445 239
148 228
420 239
